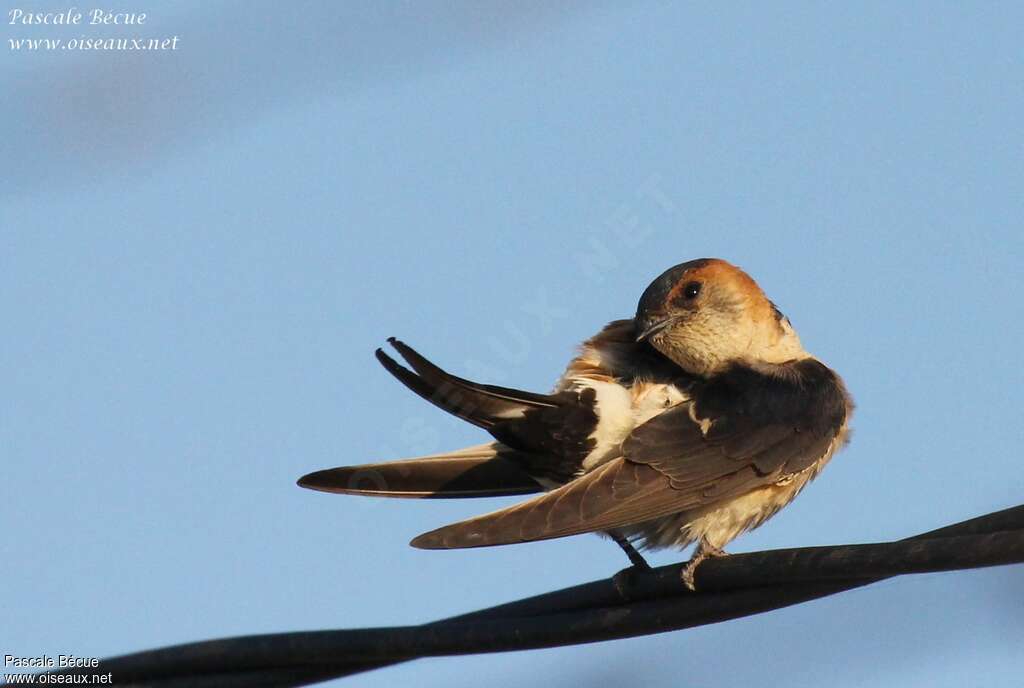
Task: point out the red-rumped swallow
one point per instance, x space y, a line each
694 421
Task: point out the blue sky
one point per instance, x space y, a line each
199 251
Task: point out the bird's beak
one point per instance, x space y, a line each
653 328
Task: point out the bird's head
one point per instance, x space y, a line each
706 314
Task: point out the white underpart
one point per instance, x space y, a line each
619 411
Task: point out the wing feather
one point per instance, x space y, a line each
721 445
486 470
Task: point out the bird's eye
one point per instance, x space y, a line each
691 290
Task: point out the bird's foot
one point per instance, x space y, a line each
704 551
625 581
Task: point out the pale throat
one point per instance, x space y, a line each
697 350
777 343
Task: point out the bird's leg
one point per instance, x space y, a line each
639 563
705 550
623 580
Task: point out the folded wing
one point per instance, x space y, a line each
741 431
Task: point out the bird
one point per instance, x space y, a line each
694 421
